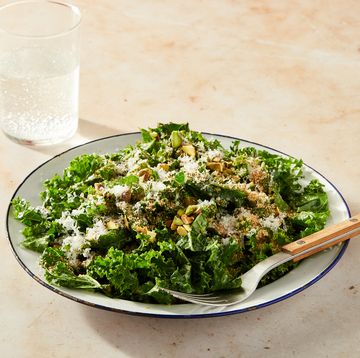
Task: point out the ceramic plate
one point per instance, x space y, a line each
307 273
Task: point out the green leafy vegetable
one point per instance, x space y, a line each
175 210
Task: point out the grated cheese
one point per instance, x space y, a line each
96 231
67 222
163 175
118 190
72 246
188 164
229 223
212 154
272 222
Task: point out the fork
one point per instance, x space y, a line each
295 251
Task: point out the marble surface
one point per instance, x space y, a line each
282 73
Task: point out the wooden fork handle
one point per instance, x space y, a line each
345 230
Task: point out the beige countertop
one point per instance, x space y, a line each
282 73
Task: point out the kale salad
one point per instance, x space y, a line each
175 210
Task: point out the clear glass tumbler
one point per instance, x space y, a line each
39 71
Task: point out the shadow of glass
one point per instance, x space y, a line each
91 130
87 131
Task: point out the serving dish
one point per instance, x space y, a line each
307 273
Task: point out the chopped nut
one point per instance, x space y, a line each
257 176
126 196
112 225
145 174
99 186
173 226
154 135
152 235
261 235
189 149
216 166
220 229
229 171
187 227
126 222
186 219
191 209
180 212
177 221
175 139
140 229
144 230
253 196
164 166
181 231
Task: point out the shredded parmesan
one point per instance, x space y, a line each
163 175
118 190
229 223
214 154
188 164
67 222
272 222
96 231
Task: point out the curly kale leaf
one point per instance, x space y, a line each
116 238
58 272
39 231
65 193
223 266
132 275
227 195
313 198
25 213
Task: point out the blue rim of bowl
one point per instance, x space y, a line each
177 316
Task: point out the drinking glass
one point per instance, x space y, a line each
39 71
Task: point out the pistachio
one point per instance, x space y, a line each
181 231
152 235
189 149
126 196
168 223
180 212
153 135
216 166
187 227
191 209
175 139
112 225
99 186
140 229
228 171
164 166
186 219
145 174
177 221
126 222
